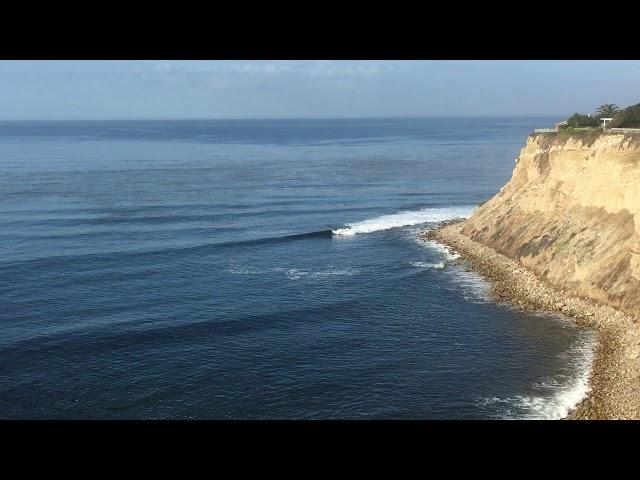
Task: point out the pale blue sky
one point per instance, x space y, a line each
274 89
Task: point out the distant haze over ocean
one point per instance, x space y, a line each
169 89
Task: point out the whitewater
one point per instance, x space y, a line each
404 219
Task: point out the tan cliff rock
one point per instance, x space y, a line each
571 214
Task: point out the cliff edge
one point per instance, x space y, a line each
571 215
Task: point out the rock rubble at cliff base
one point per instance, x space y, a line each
615 375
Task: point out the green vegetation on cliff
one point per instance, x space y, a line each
588 128
627 118
580 121
608 110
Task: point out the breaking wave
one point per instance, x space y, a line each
440 248
428 265
554 399
403 219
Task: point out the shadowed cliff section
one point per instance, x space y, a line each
571 214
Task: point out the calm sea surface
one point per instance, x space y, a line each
263 269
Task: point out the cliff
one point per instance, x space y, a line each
571 215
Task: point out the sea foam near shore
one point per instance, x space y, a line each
553 399
610 386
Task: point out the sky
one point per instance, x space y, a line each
163 89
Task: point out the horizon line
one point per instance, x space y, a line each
366 117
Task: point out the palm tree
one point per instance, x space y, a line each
608 110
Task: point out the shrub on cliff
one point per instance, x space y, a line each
581 121
587 136
627 118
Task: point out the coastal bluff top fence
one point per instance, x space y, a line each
610 130
624 130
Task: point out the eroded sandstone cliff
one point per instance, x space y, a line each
571 214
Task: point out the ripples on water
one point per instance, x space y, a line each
262 269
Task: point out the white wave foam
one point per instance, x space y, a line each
295 273
562 397
404 219
473 287
243 270
440 248
428 265
343 271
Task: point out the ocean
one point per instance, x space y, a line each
263 269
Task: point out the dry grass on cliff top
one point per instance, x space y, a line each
587 135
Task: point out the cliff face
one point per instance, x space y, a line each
571 214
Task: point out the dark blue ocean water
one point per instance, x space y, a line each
190 269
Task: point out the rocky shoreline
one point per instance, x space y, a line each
615 375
